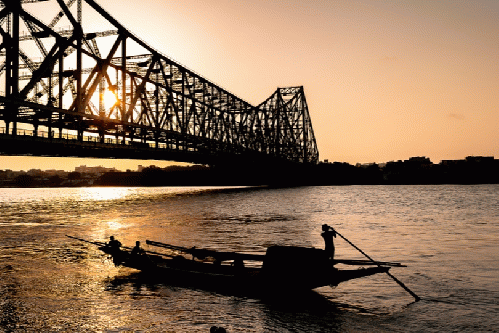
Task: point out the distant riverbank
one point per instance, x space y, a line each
416 170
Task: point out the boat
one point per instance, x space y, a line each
280 268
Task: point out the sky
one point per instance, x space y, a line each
384 80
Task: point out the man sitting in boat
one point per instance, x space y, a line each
137 250
113 247
113 244
328 233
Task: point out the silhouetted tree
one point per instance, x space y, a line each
25 181
74 175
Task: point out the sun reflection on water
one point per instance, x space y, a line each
106 228
103 193
114 225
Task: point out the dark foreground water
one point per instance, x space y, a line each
447 235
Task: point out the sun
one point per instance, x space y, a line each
109 98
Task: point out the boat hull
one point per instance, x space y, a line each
274 275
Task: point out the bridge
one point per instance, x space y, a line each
75 82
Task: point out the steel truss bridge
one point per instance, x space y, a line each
75 82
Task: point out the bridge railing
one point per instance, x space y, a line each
87 138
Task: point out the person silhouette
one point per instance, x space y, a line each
137 250
113 247
328 233
114 243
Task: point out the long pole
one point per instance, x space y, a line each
416 297
86 241
125 247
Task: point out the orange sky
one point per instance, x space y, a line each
384 80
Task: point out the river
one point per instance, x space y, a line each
447 235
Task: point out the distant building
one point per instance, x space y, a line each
480 159
419 160
95 170
35 172
53 172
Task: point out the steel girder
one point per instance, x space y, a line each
56 72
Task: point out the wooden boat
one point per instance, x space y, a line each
281 268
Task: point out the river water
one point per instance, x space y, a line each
447 235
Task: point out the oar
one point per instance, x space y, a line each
86 241
125 247
220 255
416 297
170 247
367 262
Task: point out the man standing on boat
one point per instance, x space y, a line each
328 233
